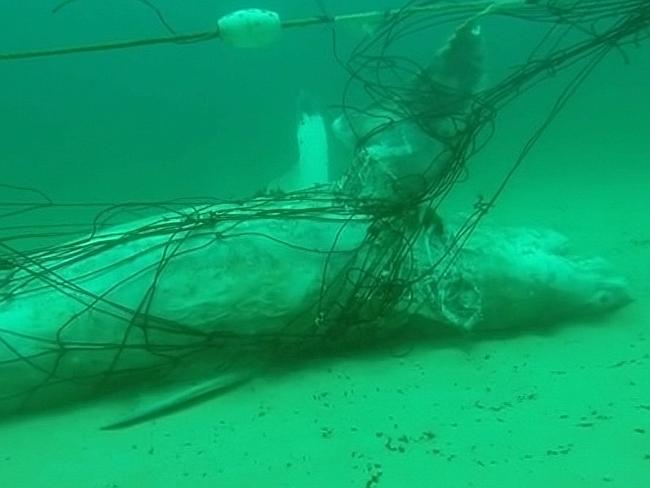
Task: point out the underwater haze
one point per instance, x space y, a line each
564 407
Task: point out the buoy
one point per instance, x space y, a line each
250 28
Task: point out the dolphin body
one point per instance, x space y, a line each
55 348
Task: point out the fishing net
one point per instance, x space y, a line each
146 289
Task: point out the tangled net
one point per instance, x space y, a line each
119 324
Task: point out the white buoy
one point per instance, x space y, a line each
250 28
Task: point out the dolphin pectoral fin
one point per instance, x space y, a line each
185 398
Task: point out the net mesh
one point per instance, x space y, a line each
83 312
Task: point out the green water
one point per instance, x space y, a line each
566 408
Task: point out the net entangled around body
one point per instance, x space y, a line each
458 120
145 288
